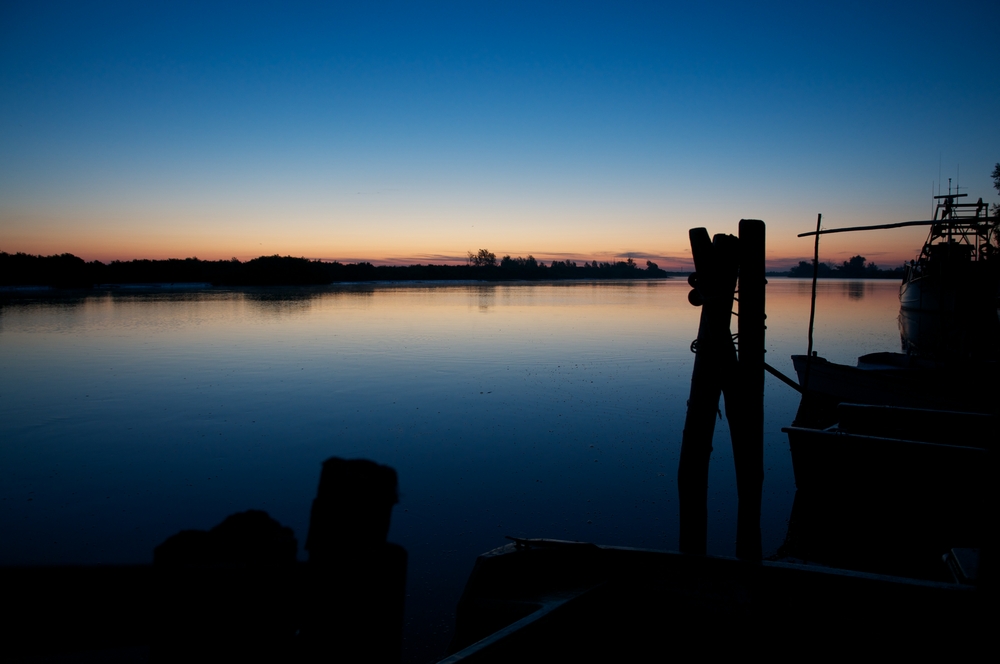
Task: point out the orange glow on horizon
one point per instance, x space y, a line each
402 240
891 249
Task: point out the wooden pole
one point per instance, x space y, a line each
354 607
716 267
812 305
748 431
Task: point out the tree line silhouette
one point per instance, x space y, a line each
69 271
856 268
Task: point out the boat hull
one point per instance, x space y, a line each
545 601
862 467
970 290
924 294
890 488
893 379
956 335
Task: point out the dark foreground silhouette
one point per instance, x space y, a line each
235 592
69 271
538 600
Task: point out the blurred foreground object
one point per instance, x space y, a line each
235 592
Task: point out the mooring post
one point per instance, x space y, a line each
748 446
812 305
716 268
354 607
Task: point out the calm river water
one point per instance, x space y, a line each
539 410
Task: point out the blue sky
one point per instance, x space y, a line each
417 131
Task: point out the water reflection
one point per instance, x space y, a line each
485 296
852 289
127 417
855 290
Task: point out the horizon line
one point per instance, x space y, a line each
668 262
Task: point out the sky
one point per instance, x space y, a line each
415 132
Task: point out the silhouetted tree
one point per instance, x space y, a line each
60 270
652 269
856 268
528 263
484 258
804 270
852 268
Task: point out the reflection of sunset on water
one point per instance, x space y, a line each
521 409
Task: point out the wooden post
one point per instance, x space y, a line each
354 608
352 508
716 269
812 305
748 431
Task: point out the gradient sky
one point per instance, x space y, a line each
414 132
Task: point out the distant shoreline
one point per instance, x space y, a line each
67 271
25 273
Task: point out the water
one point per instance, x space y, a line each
538 410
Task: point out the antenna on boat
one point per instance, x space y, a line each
939 173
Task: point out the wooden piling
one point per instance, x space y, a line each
748 445
716 266
812 304
354 607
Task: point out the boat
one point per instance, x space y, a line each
949 293
948 298
889 488
542 600
898 379
957 268
891 456
948 321
907 456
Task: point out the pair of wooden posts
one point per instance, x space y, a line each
721 369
